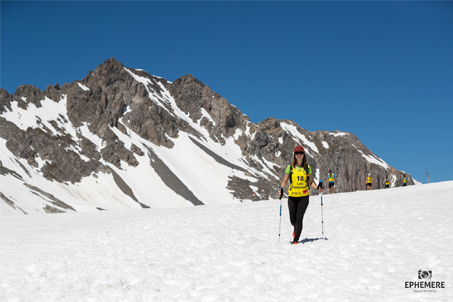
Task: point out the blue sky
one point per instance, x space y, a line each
380 70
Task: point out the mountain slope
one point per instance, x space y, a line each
123 139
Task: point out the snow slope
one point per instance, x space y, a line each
374 242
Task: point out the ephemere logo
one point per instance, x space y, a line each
425 286
425 274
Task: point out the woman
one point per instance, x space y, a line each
332 180
369 182
387 182
299 175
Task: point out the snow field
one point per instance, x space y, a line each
374 242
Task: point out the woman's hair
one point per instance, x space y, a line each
304 162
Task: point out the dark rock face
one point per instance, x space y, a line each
114 99
192 96
345 157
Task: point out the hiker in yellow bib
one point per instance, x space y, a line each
387 183
299 175
332 181
369 182
404 180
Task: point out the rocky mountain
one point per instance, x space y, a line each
122 139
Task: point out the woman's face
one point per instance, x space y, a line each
299 155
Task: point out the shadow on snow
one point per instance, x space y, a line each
312 239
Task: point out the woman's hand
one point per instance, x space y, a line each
280 192
283 185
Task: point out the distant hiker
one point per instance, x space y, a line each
387 183
299 176
332 181
404 180
369 182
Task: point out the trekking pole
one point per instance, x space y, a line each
322 217
280 224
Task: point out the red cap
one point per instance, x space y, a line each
299 149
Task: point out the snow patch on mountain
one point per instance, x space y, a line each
205 114
83 87
267 166
393 180
188 162
339 134
299 136
151 94
92 192
96 140
40 117
375 160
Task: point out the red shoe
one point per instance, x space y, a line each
294 242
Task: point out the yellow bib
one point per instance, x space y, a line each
368 180
299 185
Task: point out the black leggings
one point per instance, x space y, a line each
297 207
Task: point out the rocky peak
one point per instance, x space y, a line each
5 100
32 94
106 74
187 80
